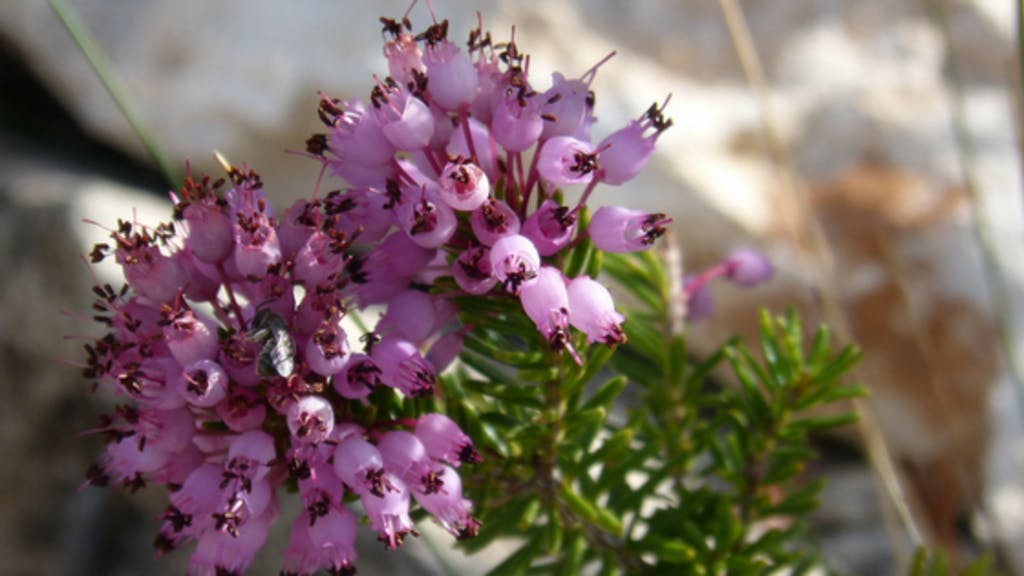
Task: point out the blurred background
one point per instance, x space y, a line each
870 148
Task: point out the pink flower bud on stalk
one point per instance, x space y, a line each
746 268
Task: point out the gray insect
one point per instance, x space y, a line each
277 357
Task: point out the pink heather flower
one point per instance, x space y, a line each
618 229
310 420
492 221
322 256
451 76
333 536
405 120
406 457
565 160
427 220
256 246
546 302
360 209
514 262
626 151
410 316
463 185
250 454
356 137
748 268
300 221
516 121
472 271
444 440
403 367
127 459
223 553
210 237
328 351
550 228
568 104
484 150
201 284
358 378
403 53
317 304
203 383
361 467
166 430
321 542
447 504
592 311
150 273
389 513
191 338
242 410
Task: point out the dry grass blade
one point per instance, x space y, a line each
817 255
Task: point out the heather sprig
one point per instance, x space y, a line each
246 377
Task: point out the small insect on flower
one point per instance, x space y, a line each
277 357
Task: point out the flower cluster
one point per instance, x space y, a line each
230 338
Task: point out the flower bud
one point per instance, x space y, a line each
748 268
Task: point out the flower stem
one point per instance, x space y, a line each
94 54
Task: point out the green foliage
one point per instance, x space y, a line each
936 564
636 462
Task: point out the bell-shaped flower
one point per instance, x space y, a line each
451 76
310 420
328 350
493 220
472 270
444 440
550 227
427 220
403 367
358 378
203 383
405 120
448 506
516 122
626 151
748 268
463 185
514 262
592 311
619 229
565 160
